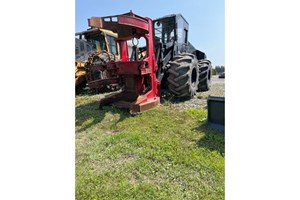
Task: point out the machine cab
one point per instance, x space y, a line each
172 31
93 40
171 28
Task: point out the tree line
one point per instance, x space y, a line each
218 69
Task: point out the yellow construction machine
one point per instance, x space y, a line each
93 46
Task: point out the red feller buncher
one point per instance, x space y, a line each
167 60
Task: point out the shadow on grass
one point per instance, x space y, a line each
85 91
91 111
168 97
213 140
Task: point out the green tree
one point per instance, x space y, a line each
213 71
220 69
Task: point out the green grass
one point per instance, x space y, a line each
163 153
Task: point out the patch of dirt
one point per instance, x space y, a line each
108 164
199 101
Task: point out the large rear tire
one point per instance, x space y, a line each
204 75
183 77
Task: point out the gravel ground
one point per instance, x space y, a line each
200 100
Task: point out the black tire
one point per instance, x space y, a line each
204 75
183 75
79 89
98 58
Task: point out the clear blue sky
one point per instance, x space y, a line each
205 18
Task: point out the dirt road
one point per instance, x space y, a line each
217 80
200 100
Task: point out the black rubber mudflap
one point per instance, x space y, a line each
216 113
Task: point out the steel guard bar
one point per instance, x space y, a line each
121 24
